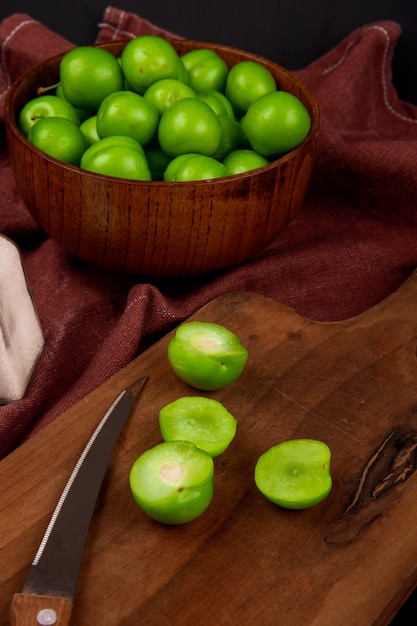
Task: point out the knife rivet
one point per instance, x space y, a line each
46 617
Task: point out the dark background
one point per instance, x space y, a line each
292 33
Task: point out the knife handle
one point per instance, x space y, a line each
31 610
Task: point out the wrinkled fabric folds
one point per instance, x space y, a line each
352 243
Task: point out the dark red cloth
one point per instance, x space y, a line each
353 242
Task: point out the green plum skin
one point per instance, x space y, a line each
157 160
59 138
119 156
206 70
206 356
46 106
174 164
246 82
203 421
199 167
119 161
189 125
89 74
127 113
163 93
276 123
232 138
149 58
243 160
89 130
173 482
115 140
218 102
295 474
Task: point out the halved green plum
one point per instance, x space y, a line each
295 474
206 356
204 421
173 482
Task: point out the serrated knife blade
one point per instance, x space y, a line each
47 595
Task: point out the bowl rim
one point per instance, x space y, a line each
11 123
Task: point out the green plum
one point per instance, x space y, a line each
276 123
162 93
158 161
206 69
189 125
59 138
89 129
173 482
295 474
46 106
232 137
148 58
243 160
246 82
174 164
206 356
89 74
114 140
204 421
114 156
218 102
127 113
83 113
199 167
183 74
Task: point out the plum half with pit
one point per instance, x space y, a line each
206 356
295 474
173 482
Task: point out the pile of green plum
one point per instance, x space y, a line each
173 481
153 114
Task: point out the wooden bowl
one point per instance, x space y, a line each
159 229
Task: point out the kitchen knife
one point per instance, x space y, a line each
47 595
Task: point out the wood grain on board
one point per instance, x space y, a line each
352 559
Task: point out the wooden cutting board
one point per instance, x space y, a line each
350 560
